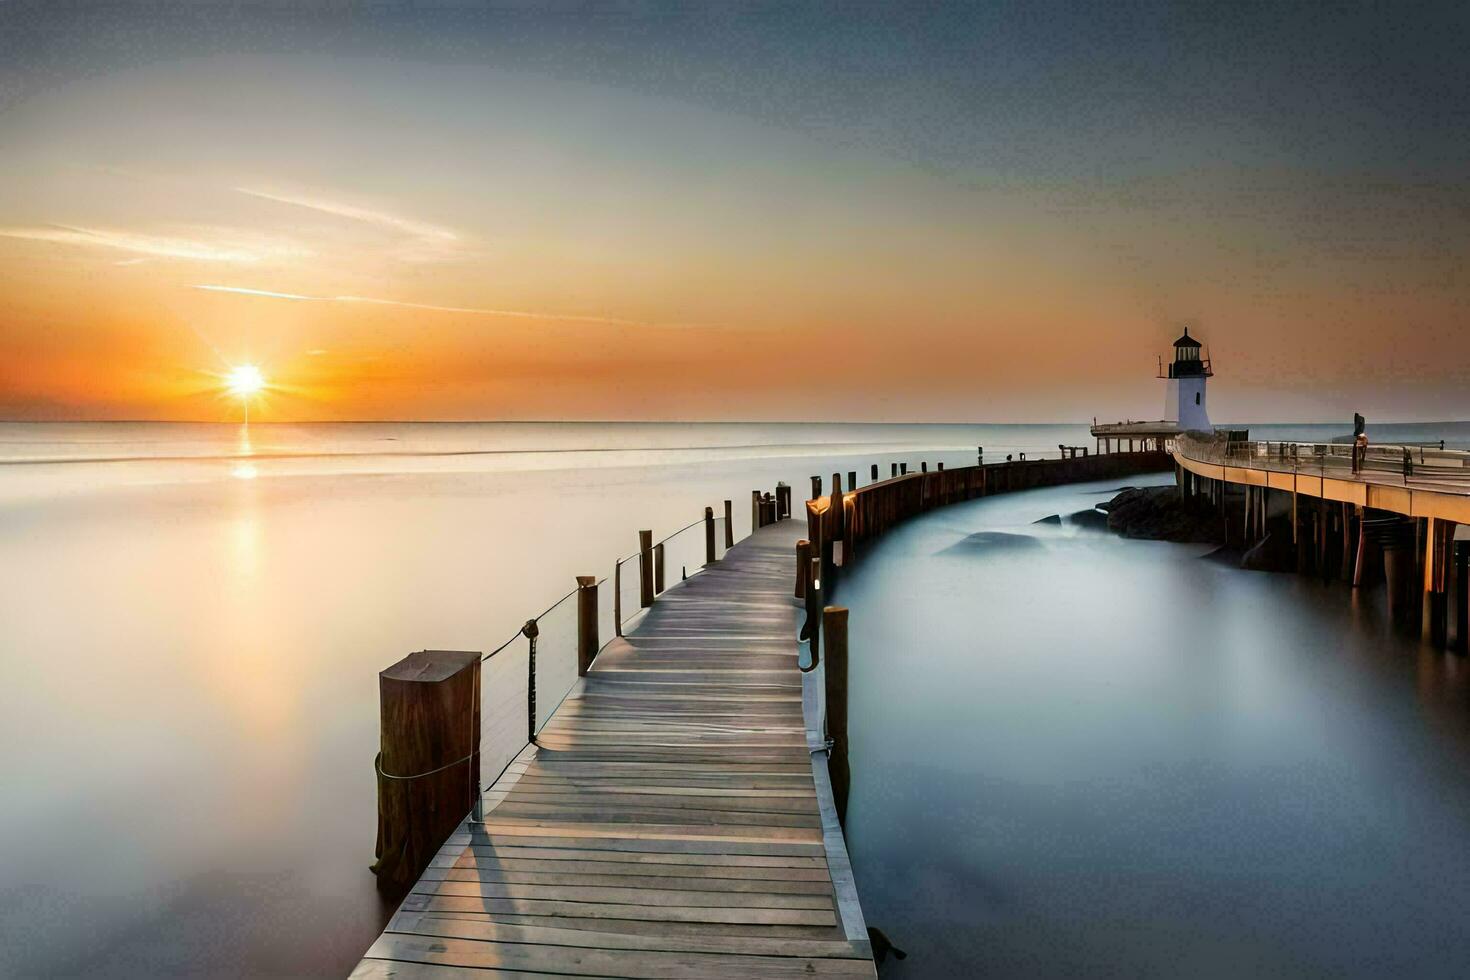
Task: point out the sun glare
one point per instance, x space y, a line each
245 380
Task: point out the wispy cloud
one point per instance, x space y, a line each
430 241
471 310
159 246
254 292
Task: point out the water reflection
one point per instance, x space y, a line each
1090 756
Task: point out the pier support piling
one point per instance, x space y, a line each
658 569
729 528
1462 596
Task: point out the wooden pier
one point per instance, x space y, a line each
675 818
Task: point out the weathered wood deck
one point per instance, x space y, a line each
673 821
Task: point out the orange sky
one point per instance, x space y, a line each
461 242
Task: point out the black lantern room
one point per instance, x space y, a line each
1187 360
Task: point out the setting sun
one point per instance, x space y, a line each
245 380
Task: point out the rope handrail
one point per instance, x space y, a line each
679 532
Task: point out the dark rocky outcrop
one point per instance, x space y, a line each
1158 514
990 541
1090 518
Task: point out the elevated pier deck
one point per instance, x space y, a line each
672 820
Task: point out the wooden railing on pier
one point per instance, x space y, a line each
868 512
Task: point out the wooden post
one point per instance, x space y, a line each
428 762
895 469
783 501
729 527
645 568
587 644
530 631
834 625
903 469
924 466
1362 546
852 479
803 566
1345 569
709 532
941 467
618 598
875 473
658 568
1462 596
755 511
838 514
816 487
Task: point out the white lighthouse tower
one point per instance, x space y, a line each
1184 400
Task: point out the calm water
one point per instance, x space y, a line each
192 622
1076 755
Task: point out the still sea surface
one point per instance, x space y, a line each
192 619
1087 756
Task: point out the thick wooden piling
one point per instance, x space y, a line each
874 474
428 762
709 532
755 511
587 639
894 469
816 487
645 568
834 626
729 527
658 568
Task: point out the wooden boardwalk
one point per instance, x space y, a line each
672 822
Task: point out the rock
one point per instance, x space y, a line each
992 541
1053 519
1158 514
1092 518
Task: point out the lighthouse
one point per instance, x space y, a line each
1184 401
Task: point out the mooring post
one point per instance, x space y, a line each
729 527
924 466
803 566
709 532
940 466
834 625
428 763
755 511
783 501
658 569
645 568
586 622
816 487
852 479
894 471
903 469
874 476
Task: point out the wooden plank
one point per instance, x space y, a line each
593 962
